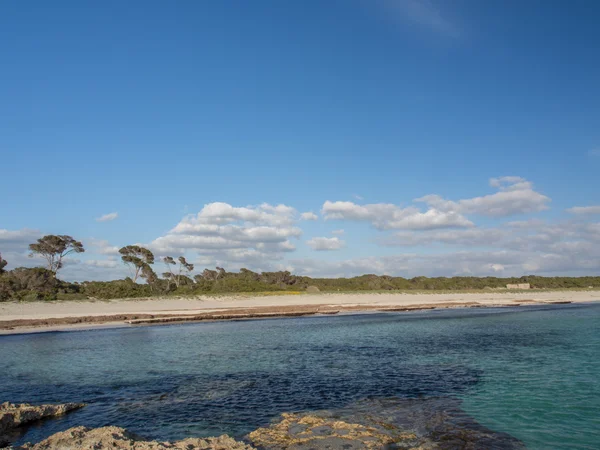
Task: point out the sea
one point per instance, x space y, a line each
529 376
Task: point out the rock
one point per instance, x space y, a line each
13 415
305 431
83 438
313 289
393 423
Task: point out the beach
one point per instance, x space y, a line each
19 317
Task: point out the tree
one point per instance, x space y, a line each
3 264
149 275
54 249
136 258
184 266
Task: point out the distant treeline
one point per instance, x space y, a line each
43 284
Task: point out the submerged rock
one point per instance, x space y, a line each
306 431
419 423
16 415
83 438
391 423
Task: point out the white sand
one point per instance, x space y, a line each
44 310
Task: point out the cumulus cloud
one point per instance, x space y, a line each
337 232
584 210
309 216
325 243
229 233
386 216
107 217
515 196
265 214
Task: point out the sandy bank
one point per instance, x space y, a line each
20 317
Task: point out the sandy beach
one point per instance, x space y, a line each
47 316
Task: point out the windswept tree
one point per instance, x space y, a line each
149 275
3 264
54 249
184 267
136 258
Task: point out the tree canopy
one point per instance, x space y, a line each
3 264
137 258
54 249
184 266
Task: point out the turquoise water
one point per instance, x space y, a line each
531 372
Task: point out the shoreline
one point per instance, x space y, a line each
35 317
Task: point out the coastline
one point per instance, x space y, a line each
34 317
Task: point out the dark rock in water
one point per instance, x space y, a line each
434 423
16 415
82 438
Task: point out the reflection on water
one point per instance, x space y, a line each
170 382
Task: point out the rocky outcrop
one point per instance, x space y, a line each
305 431
15 415
115 438
394 423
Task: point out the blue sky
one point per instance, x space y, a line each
155 110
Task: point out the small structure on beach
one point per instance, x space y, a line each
518 286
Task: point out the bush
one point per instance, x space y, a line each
116 289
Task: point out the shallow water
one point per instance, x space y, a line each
531 372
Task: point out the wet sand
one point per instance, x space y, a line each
72 315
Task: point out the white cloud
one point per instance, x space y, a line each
264 214
93 270
238 233
431 219
529 223
523 236
503 263
337 232
473 237
225 231
309 216
18 239
102 247
515 196
325 243
107 217
594 152
385 216
584 210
